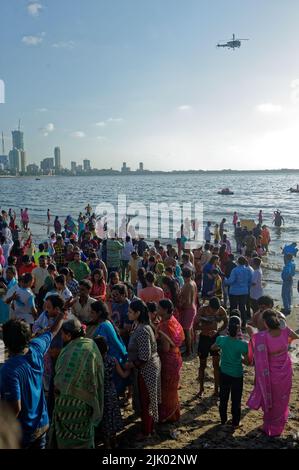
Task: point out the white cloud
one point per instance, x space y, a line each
295 91
269 108
100 124
184 107
33 40
34 8
78 135
47 129
116 120
64 45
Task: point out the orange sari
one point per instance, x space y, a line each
171 363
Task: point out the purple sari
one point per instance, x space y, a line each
273 380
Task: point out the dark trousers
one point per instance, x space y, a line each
240 302
234 386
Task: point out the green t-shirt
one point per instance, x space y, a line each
232 351
81 270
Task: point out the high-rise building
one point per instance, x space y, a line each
18 140
32 169
79 168
47 164
125 168
73 167
23 161
86 165
14 160
140 166
4 162
57 157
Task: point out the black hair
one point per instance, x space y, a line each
231 256
169 270
141 277
128 238
266 300
207 246
120 288
60 279
233 325
186 273
166 304
113 274
152 307
97 271
257 261
25 259
242 260
85 283
12 269
11 259
16 335
101 309
56 301
149 277
26 278
271 319
214 303
41 247
74 328
52 267
171 284
102 345
139 306
64 271
235 313
214 257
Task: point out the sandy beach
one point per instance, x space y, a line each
199 427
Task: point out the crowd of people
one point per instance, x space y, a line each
92 324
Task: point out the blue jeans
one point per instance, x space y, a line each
286 294
39 443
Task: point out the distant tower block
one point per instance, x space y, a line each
141 166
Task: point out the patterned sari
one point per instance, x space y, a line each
273 380
171 363
79 380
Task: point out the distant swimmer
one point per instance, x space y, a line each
48 216
278 219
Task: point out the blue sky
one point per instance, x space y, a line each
142 80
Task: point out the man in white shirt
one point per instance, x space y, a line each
39 274
82 305
208 233
24 305
256 290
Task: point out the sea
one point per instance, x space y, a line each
253 191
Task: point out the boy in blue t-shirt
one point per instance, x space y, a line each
21 384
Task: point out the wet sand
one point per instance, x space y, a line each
200 427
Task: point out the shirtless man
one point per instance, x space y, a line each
188 301
257 322
211 320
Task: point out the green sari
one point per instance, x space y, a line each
79 380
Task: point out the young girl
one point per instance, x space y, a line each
98 290
112 422
231 370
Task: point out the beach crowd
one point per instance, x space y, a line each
92 324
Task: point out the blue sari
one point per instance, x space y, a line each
117 350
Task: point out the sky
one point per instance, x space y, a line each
143 80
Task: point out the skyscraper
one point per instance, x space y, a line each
47 165
73 167
86 165
57 157
14 160
23 161
18 140
141 166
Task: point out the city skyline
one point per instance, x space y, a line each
113 82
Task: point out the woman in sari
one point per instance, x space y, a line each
144 358
117 349
79 390
273 373
170 338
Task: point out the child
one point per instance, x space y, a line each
231 370
133 267
112 420
217 291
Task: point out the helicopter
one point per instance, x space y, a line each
233 44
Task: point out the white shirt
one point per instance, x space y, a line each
40 275
24 304
207 234
256 291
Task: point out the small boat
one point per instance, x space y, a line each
294 190
37 179
225 191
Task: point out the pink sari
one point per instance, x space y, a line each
171 363
273 380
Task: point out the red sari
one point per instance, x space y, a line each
171 363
